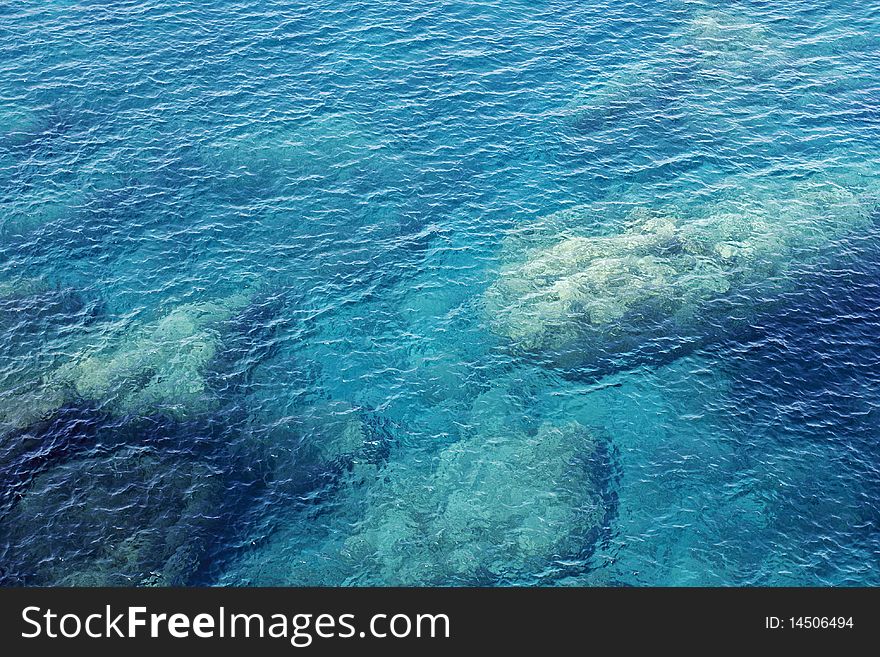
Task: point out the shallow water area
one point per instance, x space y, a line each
326 293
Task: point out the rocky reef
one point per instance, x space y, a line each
18 125
22 287
35 316
141 367
510 500
674 259
574 293
713 46
730 43
159 364
495 505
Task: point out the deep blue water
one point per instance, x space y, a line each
272 303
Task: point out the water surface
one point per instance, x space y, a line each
245 255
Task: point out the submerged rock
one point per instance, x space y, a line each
35 315
33 211
23 287
713 47
23 403
145 367
729 43
511 501
573 295
160 364
18 125
496 506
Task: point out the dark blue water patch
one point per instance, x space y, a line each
116 215
252 337
29 451
805 392
604 463
819 345
130 517
76 429
98 481
298 480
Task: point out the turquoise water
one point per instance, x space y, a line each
559 293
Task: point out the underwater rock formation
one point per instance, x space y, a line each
157 365
18 125
34 316
27 213
719 46
22 403
511 501
496 504
573 294
23 287
731 43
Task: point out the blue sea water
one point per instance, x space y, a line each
245 252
